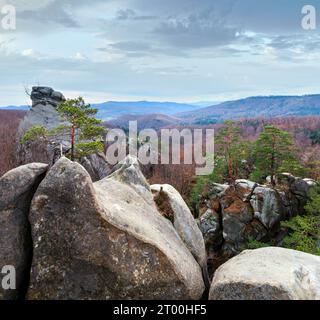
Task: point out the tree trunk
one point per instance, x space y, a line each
273 171
72 143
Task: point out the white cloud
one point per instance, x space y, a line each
79 56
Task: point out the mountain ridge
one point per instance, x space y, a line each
257 106
250 107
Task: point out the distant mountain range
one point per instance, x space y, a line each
113 109
253 107
160 113
23 108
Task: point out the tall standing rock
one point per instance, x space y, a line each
104 241
16 191
44 113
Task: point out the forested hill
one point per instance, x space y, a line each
271 106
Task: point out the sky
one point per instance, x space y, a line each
160 50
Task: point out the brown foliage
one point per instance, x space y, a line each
9 122
162 201
182 176
179 176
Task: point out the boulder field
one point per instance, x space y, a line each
120 238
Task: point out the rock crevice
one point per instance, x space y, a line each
18 187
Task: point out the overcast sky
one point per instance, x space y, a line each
178 50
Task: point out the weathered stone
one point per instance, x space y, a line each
255 231
128 171
96 165
267 206
184 223
297 187
290 205
310 182
43 113
268 274
216 189
105 241
249 211
211 228
16 191
236 215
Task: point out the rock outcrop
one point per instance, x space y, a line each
105 240
17 188
43 113
232 215
268 274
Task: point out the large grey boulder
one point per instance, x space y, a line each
105 241
245 211
16 191
184 222
268 274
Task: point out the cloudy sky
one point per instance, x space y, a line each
181 50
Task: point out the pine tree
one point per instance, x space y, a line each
228 142
85 131
273 148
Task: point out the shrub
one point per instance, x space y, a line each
305 230
196 194
304 234
255 244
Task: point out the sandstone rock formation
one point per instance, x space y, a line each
268 274
104 240
70 238
16 191
43 113
234 214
